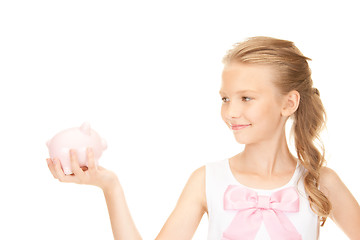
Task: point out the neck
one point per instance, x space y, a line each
268 158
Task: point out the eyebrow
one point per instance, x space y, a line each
241 91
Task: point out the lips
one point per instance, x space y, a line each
238 127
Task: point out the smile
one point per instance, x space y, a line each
238 127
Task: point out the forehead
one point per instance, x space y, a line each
244 77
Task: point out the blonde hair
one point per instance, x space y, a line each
310 117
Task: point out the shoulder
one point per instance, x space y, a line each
200 176
196 186
329 180
328 177
197 177
347 218
199 171
331 184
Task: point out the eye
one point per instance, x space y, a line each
222 99
246 98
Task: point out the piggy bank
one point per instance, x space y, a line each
78 138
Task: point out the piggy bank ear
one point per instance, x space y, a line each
85 128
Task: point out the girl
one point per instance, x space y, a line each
264 192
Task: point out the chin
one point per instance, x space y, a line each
243 141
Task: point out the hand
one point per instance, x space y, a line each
91 175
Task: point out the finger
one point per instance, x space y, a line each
51 167
60 173
91 160
75 167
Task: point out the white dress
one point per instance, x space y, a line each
219 177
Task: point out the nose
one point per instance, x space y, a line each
234 111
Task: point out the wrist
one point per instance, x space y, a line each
111 184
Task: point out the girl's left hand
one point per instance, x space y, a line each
91 175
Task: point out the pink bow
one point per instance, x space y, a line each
252 209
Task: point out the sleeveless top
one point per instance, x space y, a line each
219 177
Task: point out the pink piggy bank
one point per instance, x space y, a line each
78 138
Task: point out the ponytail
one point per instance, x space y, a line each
308 121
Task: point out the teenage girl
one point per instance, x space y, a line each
264 192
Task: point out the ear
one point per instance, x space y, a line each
290 103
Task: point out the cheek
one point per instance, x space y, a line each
256 112
222 112
265 113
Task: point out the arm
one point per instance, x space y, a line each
122 224
189 209
345 209
182 222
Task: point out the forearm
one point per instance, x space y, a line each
122 225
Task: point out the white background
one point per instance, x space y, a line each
146 75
